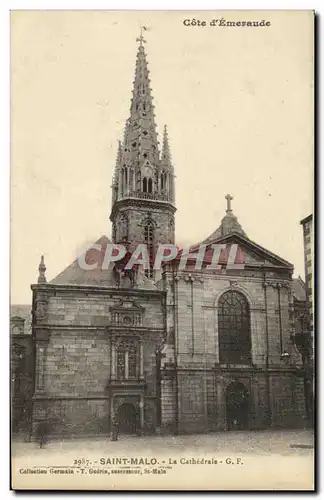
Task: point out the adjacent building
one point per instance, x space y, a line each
22 368
308 240
307 224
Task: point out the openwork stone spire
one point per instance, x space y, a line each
140 165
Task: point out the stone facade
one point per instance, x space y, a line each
274 380
77 332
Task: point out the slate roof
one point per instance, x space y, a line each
299 289
74 274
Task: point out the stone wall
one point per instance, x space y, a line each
162 215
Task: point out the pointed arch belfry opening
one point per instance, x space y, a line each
150 185
123 227
234 329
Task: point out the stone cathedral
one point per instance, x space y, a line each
179 351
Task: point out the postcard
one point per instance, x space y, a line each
161 319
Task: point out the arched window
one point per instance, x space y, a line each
162 180
126 360
234 329
149 232
145 185
149 240
150 183
123 228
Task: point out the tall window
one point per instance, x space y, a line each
147 185
234 330
149 240
126 360
124 179
123 228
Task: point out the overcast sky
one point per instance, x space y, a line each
238 103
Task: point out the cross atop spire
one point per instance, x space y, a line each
228 198
141 39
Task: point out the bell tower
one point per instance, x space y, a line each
143 195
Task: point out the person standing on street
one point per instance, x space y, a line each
114 429
41 433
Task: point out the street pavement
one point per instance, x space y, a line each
276 460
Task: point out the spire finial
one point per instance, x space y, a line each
41 270
141 39
228 198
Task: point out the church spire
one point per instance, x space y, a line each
143 173
140 133
143 186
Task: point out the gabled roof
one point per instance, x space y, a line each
248 253
306 219
263 256
75 274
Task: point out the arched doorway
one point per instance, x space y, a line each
237 406
127 419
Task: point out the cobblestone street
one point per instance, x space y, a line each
252 460
285 442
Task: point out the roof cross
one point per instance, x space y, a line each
229 198
141 39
